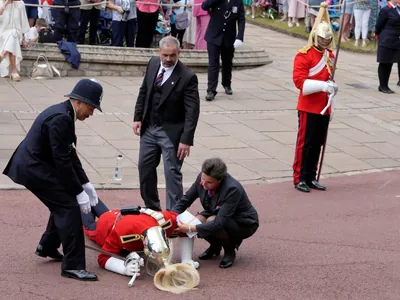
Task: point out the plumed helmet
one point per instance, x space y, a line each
156 248
322 27
324 30
88 91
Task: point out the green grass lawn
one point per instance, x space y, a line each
300 32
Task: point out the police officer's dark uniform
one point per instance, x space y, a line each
220 37
66 20
46 163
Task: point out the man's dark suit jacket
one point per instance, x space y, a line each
223 18
388 28
179 106
230 200
46 158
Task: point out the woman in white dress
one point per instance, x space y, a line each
14 25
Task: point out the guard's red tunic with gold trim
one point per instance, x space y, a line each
311 64
122 236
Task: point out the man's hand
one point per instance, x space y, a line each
136 127
84 202
183 151
237 44
89 189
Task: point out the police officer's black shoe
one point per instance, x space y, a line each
316 185
398 83
57 256
210 95
228 90
302 187
308 29
79 275
210 252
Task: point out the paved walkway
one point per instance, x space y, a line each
254 130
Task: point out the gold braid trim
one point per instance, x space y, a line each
305 49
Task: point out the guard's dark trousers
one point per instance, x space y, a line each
311 136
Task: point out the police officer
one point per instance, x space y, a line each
66 20
47 164
222 39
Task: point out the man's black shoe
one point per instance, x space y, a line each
57 256
210 96
228 90
398 83
79 275
228 259
385 90
210 252
316 185
308 29
302 187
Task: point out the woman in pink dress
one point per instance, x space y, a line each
202 19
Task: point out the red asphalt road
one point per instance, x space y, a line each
340 244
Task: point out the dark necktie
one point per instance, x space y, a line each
159 78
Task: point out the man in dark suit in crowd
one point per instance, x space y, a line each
166 114
222 39
47 164
66 20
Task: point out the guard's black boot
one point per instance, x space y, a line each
302 187
316 185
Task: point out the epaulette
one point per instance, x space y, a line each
305 49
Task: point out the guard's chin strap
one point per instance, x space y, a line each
159 217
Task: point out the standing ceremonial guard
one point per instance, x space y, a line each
222 39
47 164
311 75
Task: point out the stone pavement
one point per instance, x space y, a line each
254 130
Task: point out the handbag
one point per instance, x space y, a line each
182 20
42 69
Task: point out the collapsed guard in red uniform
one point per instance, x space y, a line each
136 229
311 75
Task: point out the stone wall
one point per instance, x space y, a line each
122 61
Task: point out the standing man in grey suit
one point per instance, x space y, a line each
166 114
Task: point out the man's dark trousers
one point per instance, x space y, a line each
214 53
66 22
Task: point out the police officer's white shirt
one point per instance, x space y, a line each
167 73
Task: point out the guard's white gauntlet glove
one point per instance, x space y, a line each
331 87
89 189
84 202
129 267
237 44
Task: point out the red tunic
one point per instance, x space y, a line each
311 65
126 233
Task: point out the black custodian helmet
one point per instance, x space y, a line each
88 91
